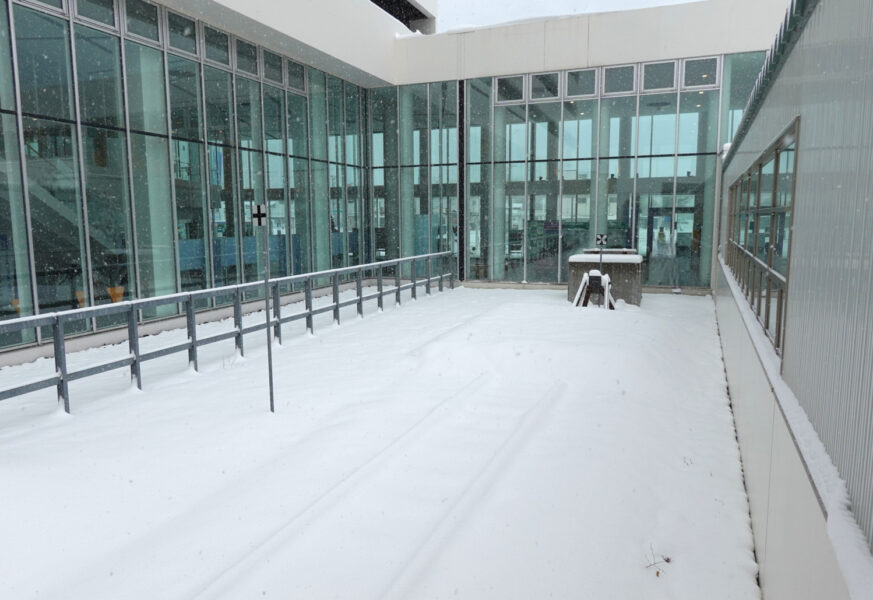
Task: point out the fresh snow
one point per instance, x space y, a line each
472 444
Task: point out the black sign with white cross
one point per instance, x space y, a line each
600 239
259 216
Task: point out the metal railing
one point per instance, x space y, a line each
403 269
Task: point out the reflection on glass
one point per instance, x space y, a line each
738 78
298 134
508 222
657 125
225 215
542 221
155 235
698 122
183 33
296 75
582 83
335 119
577 201
383 125
217 45
101 11
274 119
336 193
247 57
16 297
191 213
321 228
219 106
618 79
580 117
765 198
700 71
317 115
353 125
695 197
354 211
142 19
478 101
7 89
56 214
98 69
273 66
510 88
146 96
618 126
478 221
658 76
185 103
386 218
544 131
278 215
510 133
298 202
544 85
251 184
655 228
44 66
105 164
248 113
615 202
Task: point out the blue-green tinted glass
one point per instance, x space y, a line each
298 138
695 195
56 214
478 100
617 126
183 33
146 95
353 125
444 122
618 79
580 134
335 119
273 66
98 69
225 214
657 124
478 221
510 129
544 85
765 199
582 83
142 19
219 105
276 208
217 45
658 76
104 158
185 105
7 89
248 113
544 122
191 218
738 78
700 71
413 125
43 64
55 3
318 116
298 209
274 119
102 11
320 217
510 88
15 291
296 75
615 201
383 112
698 122
247 57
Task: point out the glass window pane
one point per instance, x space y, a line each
44 64
298 205
478 100
786 177
765 197
98 68
618 79
507 244
274 119
217 45
658 76
580 118
318 116
247 57
298 137
275 165
544 131
383 116
296 75
273 66
16 297
353 214
225 214
248 113
183 33
582 83
337 201
544 85
443 122
353 125
542 219
146 94
251 182
695 196
105 163
191 209
738 78
577 208
657 124
698 122
615 202
510 129
56 214
55 3
155 235
7 89
782 231
142 19
335 119
219 106
617 126
478 221
321 250
414 138
386 215
102 11
510 88
701 71
185 106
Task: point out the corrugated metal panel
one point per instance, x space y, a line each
828 355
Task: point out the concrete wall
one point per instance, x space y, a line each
666 32
795 555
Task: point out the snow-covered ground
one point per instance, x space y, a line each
472 444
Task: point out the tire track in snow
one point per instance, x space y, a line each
403 581
256 555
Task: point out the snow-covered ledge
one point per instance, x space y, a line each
807 541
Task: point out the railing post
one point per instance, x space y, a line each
336 311
379 285
237 320
359 285
192 332
412 274
277 313
61 363
307 295
133 345
451 274
428 274
440 269
397 282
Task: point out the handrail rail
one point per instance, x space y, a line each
131 308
